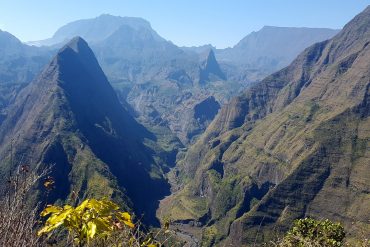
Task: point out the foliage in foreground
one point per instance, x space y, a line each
309 232
92 218
317 232
97 223
100 223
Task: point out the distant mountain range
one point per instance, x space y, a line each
294 145
273 47
144 67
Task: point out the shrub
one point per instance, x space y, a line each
97 223
311 232
92 218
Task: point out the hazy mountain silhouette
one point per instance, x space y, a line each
19 64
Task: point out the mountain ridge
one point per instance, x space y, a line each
71 117
281 149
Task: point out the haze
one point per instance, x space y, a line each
185 23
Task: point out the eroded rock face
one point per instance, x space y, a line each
289 147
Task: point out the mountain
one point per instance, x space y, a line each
19 64
198 49
273 48
209 68
93 30
157 78
150 73
10 45
132 55
294 145
71 118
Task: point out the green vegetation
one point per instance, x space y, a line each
309 232
315 233
97 222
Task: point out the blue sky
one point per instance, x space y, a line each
185 22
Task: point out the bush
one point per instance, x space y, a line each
311 232
98 223
92 218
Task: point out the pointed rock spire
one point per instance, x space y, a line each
210 68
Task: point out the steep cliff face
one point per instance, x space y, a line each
293 145
70 116
198 117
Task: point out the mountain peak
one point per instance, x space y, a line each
94 30
211 56
210 67
4 35
77 42
78 49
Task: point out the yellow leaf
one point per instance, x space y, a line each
129 223
50 209
82 206
91 230
126 216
